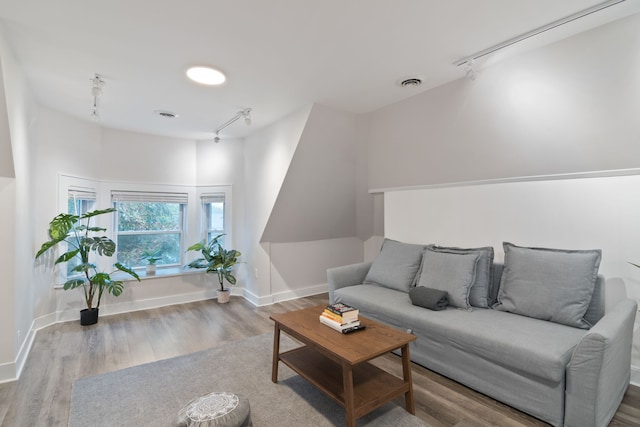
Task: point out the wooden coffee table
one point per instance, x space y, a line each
338 363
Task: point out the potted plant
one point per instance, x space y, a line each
82 241
152 256
219 260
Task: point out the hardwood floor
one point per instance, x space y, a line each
65 352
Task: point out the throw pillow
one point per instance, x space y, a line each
479 295
548 284
451 272
396 265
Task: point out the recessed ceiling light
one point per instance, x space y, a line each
206 75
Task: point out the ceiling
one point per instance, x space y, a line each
278 55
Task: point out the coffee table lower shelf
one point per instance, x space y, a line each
372 386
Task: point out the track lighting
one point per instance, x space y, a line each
96 91
468 61
470 70
246 113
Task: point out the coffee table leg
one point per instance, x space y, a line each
406 374
276 353
349 400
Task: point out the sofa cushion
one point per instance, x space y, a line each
548 284
538 348
451 272
480 290
396 265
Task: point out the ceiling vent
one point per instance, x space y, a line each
411 82
165 114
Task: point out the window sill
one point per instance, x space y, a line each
160 273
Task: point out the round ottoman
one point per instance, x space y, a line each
218 409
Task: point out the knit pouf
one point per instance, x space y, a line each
218 409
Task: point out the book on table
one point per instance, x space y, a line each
342 313
340 327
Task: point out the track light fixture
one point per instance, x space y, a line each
470 70
246 114
96 91
468 61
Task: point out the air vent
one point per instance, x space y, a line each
165 114
411 82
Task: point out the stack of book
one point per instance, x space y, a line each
341 317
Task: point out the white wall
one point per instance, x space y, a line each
140 158
21 115
572 106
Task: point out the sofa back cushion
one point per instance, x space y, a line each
454 273
549 284
479 295
396 265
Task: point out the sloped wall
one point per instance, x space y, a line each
309 205
572 106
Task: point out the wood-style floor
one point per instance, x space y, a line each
65 352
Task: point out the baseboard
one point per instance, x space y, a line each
300 293
284 296
8 372
635 375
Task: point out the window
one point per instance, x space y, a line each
149 217
79 201
213 213
149 221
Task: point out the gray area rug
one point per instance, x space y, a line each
152 394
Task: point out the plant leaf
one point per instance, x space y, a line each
46 246
97 212
60 226
115 287
67 256
127 270
85 266
73 283
196 247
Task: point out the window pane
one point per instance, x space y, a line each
132 247
77 206
148 216
216 216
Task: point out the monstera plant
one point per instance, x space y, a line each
218 260
83 243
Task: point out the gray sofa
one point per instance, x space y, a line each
561 374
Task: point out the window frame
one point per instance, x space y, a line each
204 191
193 219
184 208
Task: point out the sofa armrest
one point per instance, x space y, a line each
599 370
346 275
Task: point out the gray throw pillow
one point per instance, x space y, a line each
451 272
396 265
479 295
548 284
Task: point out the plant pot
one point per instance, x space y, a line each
223 296
151 269
88 317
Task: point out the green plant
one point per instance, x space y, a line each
82 241
152 256
216 259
